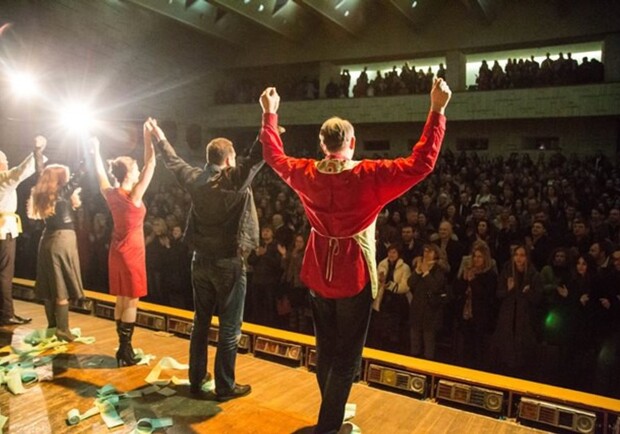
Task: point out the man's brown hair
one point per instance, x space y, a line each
218 150
335 132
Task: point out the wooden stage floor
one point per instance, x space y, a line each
283 400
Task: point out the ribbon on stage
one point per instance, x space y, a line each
74 417
109 414
147 426
349 410
165 363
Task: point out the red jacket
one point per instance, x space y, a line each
342 199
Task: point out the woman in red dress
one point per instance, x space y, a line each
127 265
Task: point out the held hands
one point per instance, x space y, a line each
440 95
154 130
40 143
270 100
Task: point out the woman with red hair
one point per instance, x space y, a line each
53 199
127 258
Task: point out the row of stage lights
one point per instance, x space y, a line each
74 117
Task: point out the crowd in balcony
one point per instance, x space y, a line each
505 264
408 80
524 73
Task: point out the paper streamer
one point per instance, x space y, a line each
74 417
132 394
108 389
14 382
349 411
147 426
166 391
109 414
164 363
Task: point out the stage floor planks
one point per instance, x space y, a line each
283 400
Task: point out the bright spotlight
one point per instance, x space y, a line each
23 83
77 118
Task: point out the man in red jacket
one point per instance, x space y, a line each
342 198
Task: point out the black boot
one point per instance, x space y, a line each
125 355
62 323
50 313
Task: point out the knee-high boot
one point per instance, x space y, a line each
125 355
62 323
50 313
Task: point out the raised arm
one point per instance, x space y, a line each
183 172
100 173
395 177
34 161
40 143
149 162
273 148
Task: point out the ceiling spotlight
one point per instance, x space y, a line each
246 1
261 7
346 13
414 3
23 83
340 3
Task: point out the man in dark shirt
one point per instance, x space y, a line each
223 229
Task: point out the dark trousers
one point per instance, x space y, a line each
340 326
221 283
7 270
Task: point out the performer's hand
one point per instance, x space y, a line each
40 143
440 95
93 145
270 100
76 201
156 131
147 128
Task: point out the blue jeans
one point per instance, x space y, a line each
221 283
340 327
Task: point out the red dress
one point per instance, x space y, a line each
127 258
